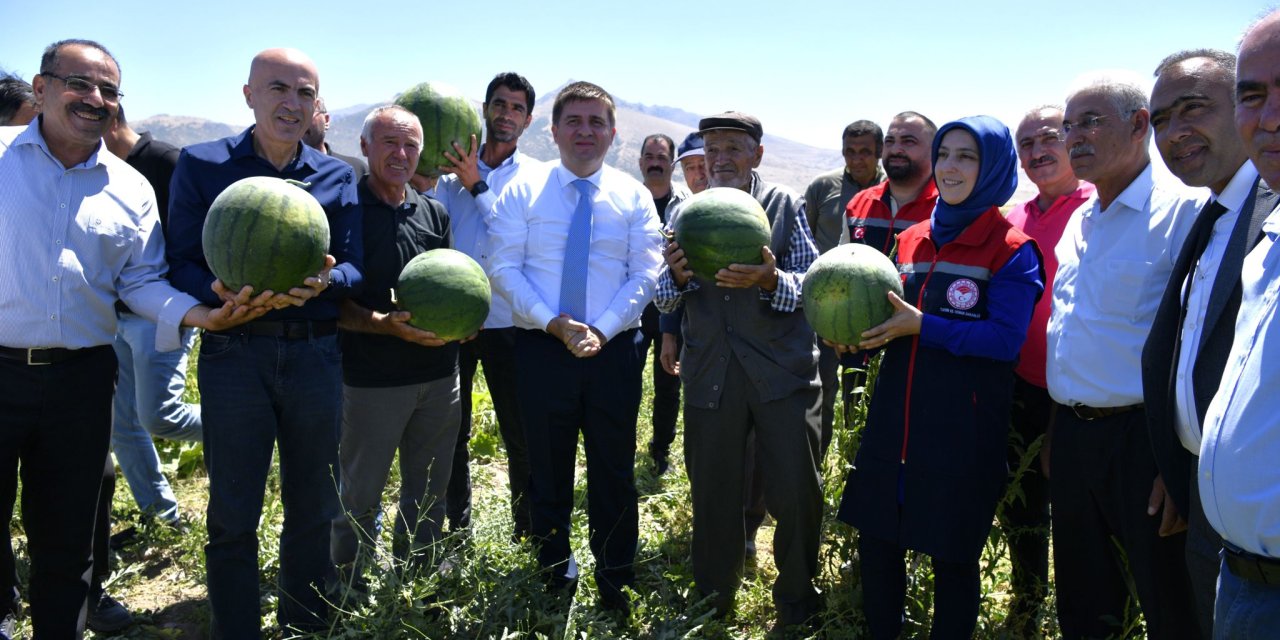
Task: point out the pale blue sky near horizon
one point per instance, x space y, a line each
805 68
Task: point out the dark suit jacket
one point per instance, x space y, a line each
1160 354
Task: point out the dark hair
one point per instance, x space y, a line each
1225 60
928 124
14 92
120 119
666 139
514 82
580 92
862 128
49 60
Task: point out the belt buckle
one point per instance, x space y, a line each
32 363
1075 408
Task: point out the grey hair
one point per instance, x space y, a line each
1123 88
367 128
1224 60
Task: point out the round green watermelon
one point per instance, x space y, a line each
719 227
446 117
266 233
445 292
845 292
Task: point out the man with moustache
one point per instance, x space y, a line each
314 138
656 164
277 379
878 213
1026 518
576 249
86 223
1114 257
862 143
750 368
469 192
1192 115
1238 475
400 383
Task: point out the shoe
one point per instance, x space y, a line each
107 615
123 538
7 626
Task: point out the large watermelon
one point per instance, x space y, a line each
720 227
266 233
446 117
844 292
445 292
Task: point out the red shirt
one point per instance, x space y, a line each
1046 227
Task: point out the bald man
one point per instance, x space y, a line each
279 378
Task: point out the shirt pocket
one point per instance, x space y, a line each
1121 289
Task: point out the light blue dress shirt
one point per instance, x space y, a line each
529 231
1240 448
469 219
72 242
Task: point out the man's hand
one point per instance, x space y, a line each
311 287
245 293
236 311
580 339
905 321
1171 522
678 264
743 276
669 356
397 324
465 165
840 349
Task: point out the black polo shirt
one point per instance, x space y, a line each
392 237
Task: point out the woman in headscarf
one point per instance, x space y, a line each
931 467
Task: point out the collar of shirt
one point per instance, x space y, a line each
242 148
1134 197
566 177
32 135
1237 191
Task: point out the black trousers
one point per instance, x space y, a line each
1102 474
560 396
666 398
956 592
55 422
1025 518
495 350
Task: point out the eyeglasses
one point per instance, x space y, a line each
1089 123
80 86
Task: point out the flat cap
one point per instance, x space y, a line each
734 121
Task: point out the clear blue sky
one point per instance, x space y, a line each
804 68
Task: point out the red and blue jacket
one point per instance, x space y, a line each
870 217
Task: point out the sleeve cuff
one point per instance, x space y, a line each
169 324
609 324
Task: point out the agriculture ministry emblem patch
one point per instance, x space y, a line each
962 294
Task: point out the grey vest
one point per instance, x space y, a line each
778 350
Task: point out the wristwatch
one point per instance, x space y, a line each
478 188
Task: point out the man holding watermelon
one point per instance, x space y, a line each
750 367
576 249
278 378
86 222
469 190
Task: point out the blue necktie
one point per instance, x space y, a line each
573 276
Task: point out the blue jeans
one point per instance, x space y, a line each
1245 610
258 391
148 402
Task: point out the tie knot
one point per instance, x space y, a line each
1214 210
583 186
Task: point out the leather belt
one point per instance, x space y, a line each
287 329
35 357
1085 412
1252 567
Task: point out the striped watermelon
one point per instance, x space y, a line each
720 227
445 292
266 233
845 292
446 117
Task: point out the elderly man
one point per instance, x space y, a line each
86 223
656 163
576 251
1238 476
825 200
1043 156
878 213
278 378
469 192
1190 340
1114 257
750 368
315 138
400 383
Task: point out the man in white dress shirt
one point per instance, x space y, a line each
576 249
1114 258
